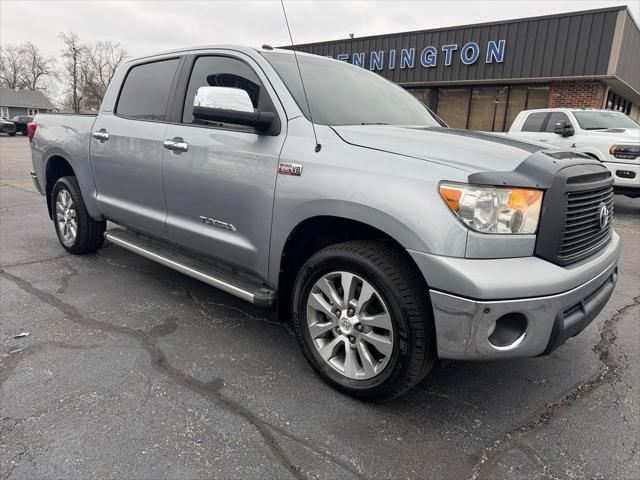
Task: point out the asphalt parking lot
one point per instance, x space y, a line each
132 370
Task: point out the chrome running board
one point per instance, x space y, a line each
163 254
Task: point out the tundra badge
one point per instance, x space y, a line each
218 223
285 168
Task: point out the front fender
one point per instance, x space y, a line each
283 227
392 193
593 151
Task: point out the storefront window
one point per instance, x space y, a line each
501 106
517 103
422 94
538 97
485 108
616 102
483 104
453 106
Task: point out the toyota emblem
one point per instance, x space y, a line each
604 216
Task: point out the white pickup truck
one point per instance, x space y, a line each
611 137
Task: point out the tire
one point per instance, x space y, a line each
398 290
89 235
12 134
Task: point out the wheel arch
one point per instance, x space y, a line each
56 167
592 155
314 233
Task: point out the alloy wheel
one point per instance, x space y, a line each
66 217
350 325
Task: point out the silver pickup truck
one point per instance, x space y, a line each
388 239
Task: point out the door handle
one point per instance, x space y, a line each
101 135
176 144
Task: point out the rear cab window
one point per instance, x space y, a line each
146 89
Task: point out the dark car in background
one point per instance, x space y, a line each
7 127
20 122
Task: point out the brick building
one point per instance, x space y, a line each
480 76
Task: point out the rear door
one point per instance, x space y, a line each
220 191
126 148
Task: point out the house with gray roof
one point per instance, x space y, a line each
22 102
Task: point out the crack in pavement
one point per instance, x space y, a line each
35 261
491 454
161 364
3 184
6 209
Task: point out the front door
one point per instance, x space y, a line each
219 192
126 149
549 136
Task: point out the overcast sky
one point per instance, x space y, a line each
149 26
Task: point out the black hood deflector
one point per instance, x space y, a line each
536 171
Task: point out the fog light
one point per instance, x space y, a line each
508 331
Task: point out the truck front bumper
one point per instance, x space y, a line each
491 316
626 178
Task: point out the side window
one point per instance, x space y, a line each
146 89
219 71
555 118
534 122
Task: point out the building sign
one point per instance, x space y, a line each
429 56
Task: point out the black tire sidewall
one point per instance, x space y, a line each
320 265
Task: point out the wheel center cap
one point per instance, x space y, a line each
345 326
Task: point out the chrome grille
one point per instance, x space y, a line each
583 234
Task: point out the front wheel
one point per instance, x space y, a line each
77 231
363 321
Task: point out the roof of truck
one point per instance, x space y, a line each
570 109
237 48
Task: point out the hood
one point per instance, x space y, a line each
467 150
615 135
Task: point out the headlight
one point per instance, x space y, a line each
494 209
628 152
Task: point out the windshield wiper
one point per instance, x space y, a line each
373 123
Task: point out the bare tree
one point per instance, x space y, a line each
104 58
11 67
75 68
35 67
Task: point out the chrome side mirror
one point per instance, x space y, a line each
225 98
229 105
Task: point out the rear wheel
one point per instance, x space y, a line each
13 134
77 231
362 319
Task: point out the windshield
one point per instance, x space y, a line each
600 120
343 94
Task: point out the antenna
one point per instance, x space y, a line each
304 91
